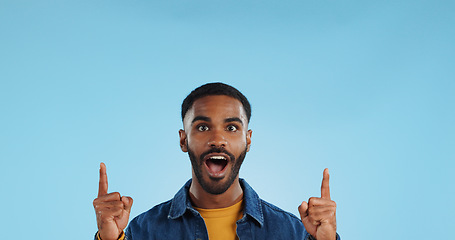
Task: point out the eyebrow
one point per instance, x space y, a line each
233 119
207 119
201 118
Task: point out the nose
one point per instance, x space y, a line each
217 140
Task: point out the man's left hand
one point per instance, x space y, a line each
319 214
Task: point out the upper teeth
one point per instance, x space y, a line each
217 157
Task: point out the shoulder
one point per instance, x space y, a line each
152 224
159 215
155 214
272 212
278 223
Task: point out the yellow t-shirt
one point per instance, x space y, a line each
221 222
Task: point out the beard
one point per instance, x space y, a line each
216 186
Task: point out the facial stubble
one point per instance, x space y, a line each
214 185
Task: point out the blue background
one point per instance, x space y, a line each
365 88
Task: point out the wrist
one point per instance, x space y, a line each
120 237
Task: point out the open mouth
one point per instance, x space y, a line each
216 164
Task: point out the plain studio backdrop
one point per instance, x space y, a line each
365 88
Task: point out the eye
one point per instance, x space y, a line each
202 128
232 128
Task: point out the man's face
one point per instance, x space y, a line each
216 137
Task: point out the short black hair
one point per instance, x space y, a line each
216 88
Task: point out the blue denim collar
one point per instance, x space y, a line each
253 206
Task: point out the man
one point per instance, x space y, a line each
215 204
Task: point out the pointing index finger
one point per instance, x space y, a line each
325 189
102 189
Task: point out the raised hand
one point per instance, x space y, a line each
112 210
319 214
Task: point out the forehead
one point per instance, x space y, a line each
216 106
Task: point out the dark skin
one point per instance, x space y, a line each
318 215
213 122
112 210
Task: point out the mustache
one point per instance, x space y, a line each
217 150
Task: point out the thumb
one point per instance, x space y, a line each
127 202
303 210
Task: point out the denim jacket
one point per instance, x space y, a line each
176 219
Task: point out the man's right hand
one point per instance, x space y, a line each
112 210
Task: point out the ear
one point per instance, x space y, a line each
183 145
248 139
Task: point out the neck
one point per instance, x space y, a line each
202 199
